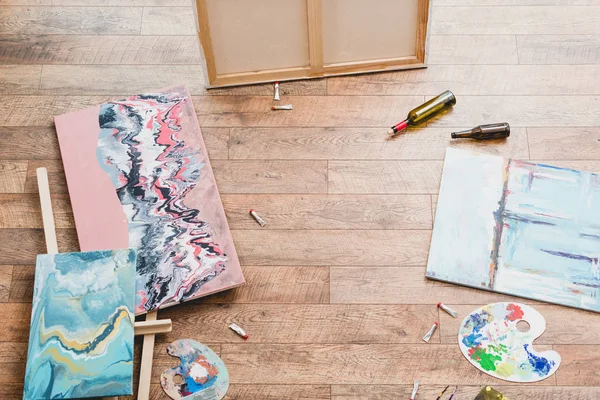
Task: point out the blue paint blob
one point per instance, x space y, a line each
473 340
541 365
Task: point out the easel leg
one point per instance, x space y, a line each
146 362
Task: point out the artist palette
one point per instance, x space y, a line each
490 340
200 370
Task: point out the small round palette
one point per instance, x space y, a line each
199 369
490 340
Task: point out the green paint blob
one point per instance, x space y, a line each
485 360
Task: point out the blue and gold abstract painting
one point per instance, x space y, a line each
519 228
82 326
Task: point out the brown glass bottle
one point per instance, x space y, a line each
425 111
485 132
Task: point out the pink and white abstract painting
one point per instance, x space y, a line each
139 176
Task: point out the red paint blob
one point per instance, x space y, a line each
515 312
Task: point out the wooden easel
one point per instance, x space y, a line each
150 327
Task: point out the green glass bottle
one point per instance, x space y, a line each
425 111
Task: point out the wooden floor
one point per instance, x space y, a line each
336 301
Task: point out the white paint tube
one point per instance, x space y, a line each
429 334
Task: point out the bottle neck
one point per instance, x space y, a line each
461 134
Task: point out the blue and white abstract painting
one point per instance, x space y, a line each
82 326
518 228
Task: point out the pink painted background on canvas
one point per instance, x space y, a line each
99 217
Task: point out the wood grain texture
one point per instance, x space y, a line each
362 144
559 49
273 284
168 21
20 79
25 2
70 20
575 365
384 177
515 20
28 243
12 176
120 3
278 392
520 392
564 143
271 176
331 247
309 111
87 49
28 143
402 285
56 176
564 325
474 80
317 323
6 272
16 326
472 49
515 3
21 284
40 110
347 363
120 80
23 211
329 211
539 111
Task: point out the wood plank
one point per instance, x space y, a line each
555 20
13 359
307 87
472 49
168 21
235 176
384 177
119 80
564 143
362 144
564 325
23 245
12 391
539 111
331 247
302 323
40 110
298 285
329 211
12 176
20 79
16 322
575 365
515 3
277 392
120 3
520 392
309 111
403 285
23 211
87 49
347 363
44 20
6 272
25 2
475 80
559 49
28 143
21 284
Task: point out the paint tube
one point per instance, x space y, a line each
257 218
448 310
414 392
285 107
276 96
429 334
239 331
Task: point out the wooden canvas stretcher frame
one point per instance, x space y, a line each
316 67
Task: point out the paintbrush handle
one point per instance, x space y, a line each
48 218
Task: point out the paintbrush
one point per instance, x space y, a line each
443 391
454 391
